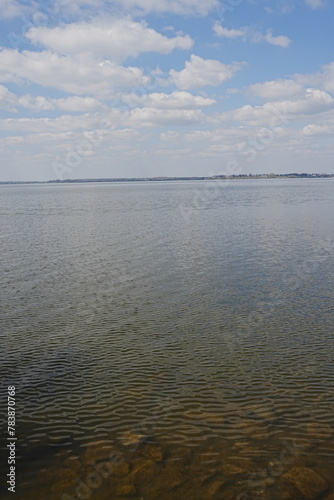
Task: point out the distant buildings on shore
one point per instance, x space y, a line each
142 179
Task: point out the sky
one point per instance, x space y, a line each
148 88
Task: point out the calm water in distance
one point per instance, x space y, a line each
196 313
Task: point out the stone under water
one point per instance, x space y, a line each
310 484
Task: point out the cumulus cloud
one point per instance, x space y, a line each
314 129
200 72
226 135
60 124
229 33
246 33
9 9
169 136
324 79
78 104
175 100
78 75
10 102
64 141
294 87
115 39
72 104
277 112
241 139
151 117
111 119
280 41
276 89
7 99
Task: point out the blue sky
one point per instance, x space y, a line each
143 88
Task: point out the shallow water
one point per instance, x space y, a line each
197 316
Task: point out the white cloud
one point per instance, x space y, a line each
10 101
277 112
175 153
7 99
36 104
323 79
226 135
294 87
288 6
115 39
39 138
169 136
87 8
246 33
58 142
175 100
60 124
104 121
78 75
152 117
315 4
280 41
70 104
281 7
276 89
200 72
188 7
229 33
314 129
327 77
9 8
78 104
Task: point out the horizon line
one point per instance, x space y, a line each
175 178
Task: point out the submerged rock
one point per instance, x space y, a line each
232 470
151 451
125 489
120 469
58 479
260 495
73 463
168 479
52 475
179 454
307 482
144 471
208 457
172 476
132 439
100 452
201 479
213 488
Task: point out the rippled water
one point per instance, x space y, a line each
186 327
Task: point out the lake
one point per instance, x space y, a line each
169 340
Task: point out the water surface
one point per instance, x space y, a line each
197 316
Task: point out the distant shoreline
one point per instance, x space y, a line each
162 179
